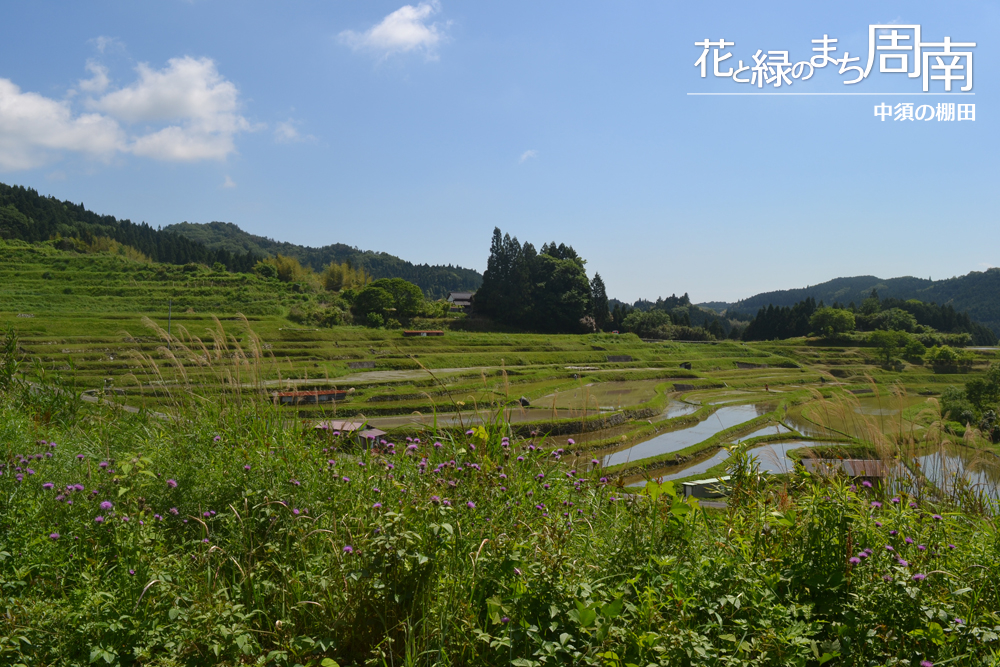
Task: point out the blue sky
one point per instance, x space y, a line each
416 128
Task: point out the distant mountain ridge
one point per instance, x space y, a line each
28 216
977 292
435 280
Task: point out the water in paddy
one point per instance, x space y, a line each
672 441
675 409
806 427
981 469
772 457
773 429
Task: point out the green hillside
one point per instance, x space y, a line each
40 278
435 281
977 292
27 216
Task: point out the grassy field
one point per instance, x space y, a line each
100 321
177 516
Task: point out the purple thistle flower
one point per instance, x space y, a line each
205 541
376 506
107 506
855 560
131 572
866 484
505 620
19 477
469 432
909 540
173 510
919 577
863 554
435 499
79 457
895 501
217 438
888 547
78 487
246 467
348 549
53 536
951 546
125 519
887 577
893 532
346 479
937 517
446 502
570 441
471 505
926 663
172 483
102 464
913 505
604 480
903 563
158 517
98 519
438 445
876 504
921 547
48 486
30 471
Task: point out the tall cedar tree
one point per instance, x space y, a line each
599 299
538 291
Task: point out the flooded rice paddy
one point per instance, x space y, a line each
672 441
771 457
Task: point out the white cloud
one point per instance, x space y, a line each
104 43
287 132
190 94
186 112
228 183
97 83
528 154
34 129
406 29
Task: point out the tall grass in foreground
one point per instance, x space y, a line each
918 453
225 536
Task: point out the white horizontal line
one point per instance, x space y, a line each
878 94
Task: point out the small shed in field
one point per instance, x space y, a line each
706 488
339 425
460 300
872 470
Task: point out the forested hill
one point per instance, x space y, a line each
978 293
435 281
27 216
